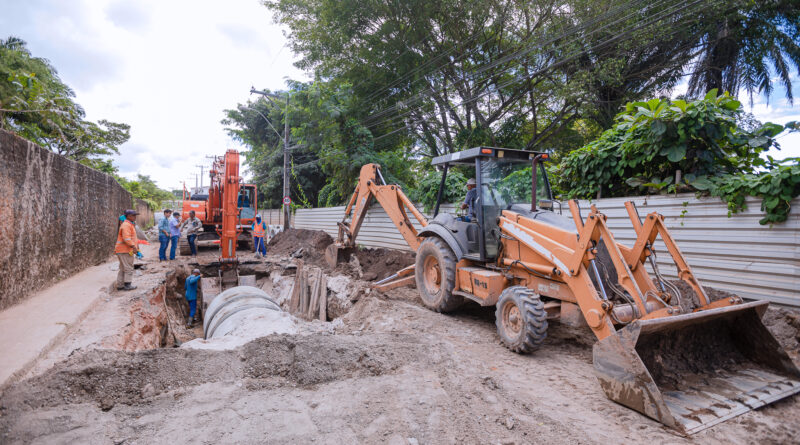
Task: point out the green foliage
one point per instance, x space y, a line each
38 106
652 140
145 189
428 188
776 188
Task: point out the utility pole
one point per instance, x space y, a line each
287 214
196 189
201 174
286 190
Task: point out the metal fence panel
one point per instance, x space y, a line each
734 253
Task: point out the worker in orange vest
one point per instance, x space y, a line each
127 246
259 233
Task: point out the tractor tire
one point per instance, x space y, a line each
183 246
436 275
521 319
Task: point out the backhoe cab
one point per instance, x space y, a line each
684 360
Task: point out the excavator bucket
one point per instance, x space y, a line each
336 254
695 370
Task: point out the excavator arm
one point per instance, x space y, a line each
396 204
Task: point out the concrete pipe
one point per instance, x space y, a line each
230 308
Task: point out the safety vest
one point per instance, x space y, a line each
126 238
258 229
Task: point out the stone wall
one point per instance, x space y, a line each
57 217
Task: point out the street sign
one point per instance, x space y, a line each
287 200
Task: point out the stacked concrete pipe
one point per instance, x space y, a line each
229 308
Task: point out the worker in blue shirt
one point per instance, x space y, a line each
163 235
174 233
192 281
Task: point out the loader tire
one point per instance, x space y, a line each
436 275
521 319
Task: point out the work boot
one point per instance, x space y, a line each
127 287
189 323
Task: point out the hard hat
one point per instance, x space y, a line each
471 181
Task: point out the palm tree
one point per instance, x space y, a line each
742 49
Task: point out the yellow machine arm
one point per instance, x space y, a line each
390 197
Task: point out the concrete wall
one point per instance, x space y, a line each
145 219
56 217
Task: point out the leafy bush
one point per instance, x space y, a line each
651 141
776 188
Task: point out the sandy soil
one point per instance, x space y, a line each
391 372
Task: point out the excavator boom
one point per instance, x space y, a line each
390 197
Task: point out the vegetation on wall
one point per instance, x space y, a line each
37 105
667 146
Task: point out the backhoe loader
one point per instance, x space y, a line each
683 360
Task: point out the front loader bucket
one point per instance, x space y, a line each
336 254
693 371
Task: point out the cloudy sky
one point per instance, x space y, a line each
169 68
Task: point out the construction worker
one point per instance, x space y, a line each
174 234
259 234
127 246
194 226
163 235
191 296
469 200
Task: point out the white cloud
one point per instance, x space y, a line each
168 69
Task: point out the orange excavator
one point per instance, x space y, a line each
211 208
227 213
680 358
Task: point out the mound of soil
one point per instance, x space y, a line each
310 245
110 377
785 326
290 241
377 264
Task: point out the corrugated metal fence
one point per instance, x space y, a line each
736 254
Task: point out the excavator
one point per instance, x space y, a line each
210 208
679 358
226 217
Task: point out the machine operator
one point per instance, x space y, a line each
469 200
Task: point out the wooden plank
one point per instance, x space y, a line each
303 294
314 295
323 301
294 302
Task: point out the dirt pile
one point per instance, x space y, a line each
108 378
785 326
301 243
377 264
368 264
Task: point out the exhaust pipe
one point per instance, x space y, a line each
693 371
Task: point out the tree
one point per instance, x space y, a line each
37 105
742 48
460 73
328 145
145 189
